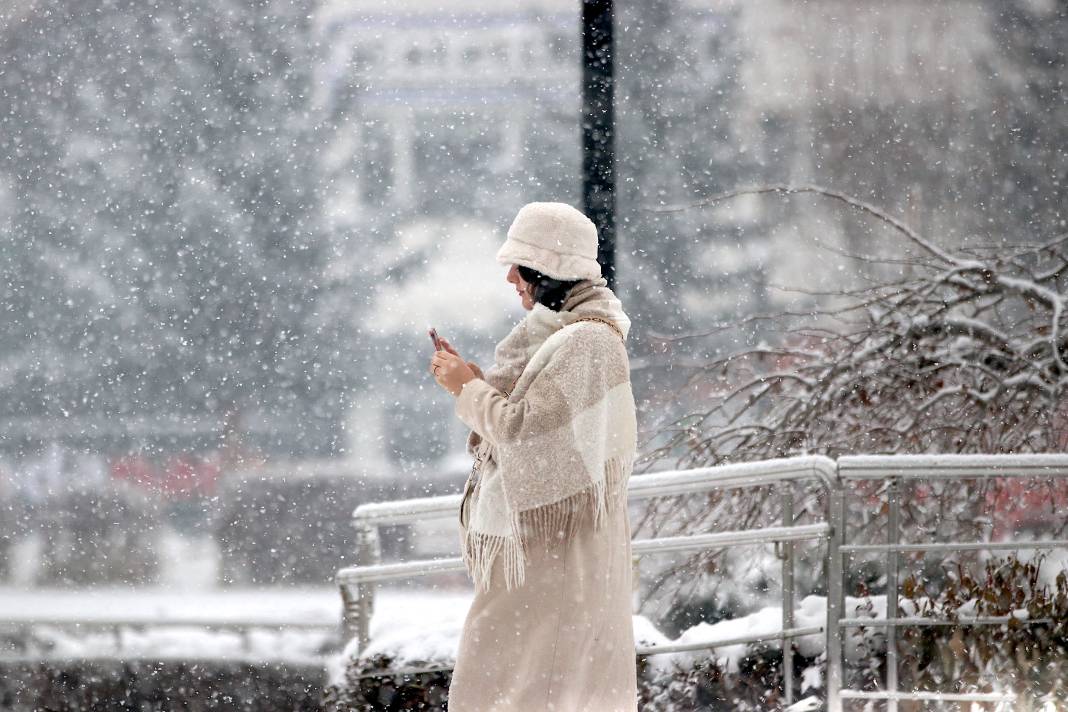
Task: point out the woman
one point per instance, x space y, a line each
543 523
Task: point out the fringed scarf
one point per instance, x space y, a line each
553 431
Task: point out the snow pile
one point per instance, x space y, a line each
809 704
424 630
184 643
412 628
296 625
417 627
764 623
420 629
429 636
645 633
147 606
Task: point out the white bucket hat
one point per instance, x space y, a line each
553 238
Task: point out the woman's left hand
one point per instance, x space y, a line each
450 371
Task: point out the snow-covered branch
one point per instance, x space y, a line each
965 355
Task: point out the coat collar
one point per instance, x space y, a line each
590 297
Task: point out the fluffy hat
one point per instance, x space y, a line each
553 238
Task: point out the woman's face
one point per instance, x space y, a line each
523 288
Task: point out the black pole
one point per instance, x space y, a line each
598 130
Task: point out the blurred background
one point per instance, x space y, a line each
227 224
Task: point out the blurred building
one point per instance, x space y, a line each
890 103
434 101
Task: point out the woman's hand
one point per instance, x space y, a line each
449 370
470 364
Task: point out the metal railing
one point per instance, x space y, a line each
357 583
894 469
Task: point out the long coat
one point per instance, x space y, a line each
564 640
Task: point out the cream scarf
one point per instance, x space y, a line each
567 449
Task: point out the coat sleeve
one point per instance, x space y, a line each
473 440
487 411
573 375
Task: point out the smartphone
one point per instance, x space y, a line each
434 337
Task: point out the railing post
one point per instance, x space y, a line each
836 515
359 608
893 528
788 595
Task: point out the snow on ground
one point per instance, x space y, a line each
409 625
293 624
430 633
297 625
430 636
278 606
424 629
412 626
306 647
765 622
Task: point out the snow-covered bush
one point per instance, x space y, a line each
1029 655
373 685
377 683
934 350
88 685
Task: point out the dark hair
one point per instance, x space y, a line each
546 290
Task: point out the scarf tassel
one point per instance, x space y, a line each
551 525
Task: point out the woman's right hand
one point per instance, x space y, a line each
470 364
